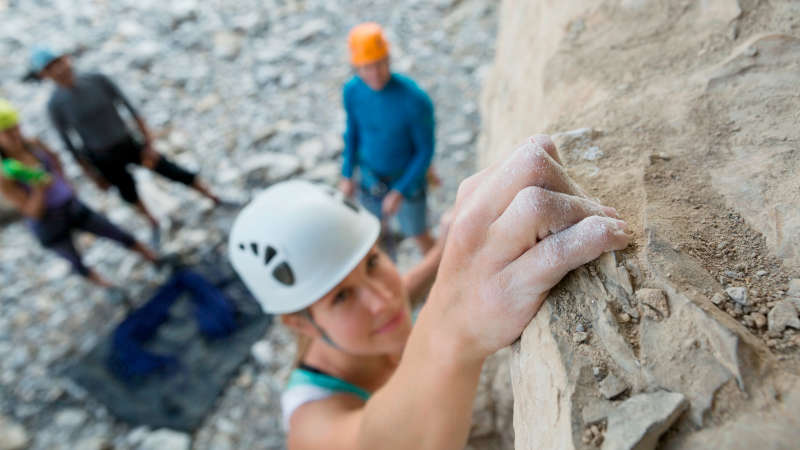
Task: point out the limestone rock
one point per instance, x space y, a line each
94 443
718 298
738 295
227 45
783 315
309 30
269 167
574 141
654 303
165 439
310 152
328 172
71 418
12 435
461 138
262 353
611 387
596 411
637 423
759 319
794 288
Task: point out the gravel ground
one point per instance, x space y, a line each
247 93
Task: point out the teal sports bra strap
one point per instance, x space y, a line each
305 377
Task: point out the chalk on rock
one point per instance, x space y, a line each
637 423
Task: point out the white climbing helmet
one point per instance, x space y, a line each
296 241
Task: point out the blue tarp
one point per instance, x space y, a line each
215 317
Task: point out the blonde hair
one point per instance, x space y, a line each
303 343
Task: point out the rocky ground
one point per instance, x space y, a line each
247 93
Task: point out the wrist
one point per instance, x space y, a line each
444 338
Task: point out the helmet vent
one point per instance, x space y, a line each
350 204
269 254
241 246
283 273
254 248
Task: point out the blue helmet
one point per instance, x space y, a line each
41 57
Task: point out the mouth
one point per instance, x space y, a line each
392 324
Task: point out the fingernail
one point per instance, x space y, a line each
611 212
541 139
621 225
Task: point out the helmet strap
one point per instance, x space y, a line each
325 337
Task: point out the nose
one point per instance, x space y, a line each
376 296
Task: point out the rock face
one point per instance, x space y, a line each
681 119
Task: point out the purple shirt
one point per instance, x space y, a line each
59 192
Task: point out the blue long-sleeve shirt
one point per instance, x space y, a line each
390 133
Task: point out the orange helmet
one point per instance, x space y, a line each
367 44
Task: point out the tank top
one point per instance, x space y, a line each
59 192
307 384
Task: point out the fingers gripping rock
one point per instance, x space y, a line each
575 246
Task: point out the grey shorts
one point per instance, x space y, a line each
412 216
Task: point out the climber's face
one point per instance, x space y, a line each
376 74
11 139
60 71
367 313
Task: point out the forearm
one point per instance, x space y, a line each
90 171
349 153
35 205
427 404
59 168
419 279
148 137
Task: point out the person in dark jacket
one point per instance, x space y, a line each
86 105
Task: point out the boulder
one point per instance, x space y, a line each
639 421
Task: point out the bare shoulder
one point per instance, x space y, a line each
330 423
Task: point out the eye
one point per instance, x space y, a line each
373 260
341 296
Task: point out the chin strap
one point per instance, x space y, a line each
325 337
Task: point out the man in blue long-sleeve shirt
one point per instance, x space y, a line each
389 137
